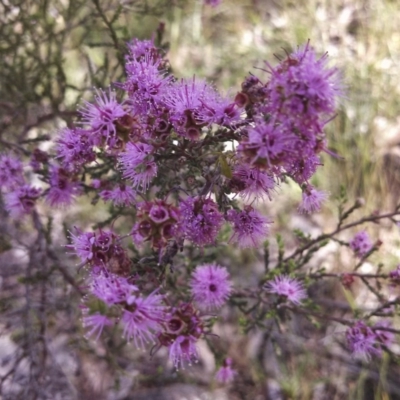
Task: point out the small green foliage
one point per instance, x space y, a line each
225 168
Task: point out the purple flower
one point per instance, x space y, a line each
302 87
101 250
288 287
11 172
95 324
146 83
103 115
188 102
62 189
21 200
111 288
200 220
303 168
361 244
251 182
267 145
75 148
395 275
121 195
250 227
312 200
210 286
362 341
139 48
384 337
183 350
83 245
212 3
137 164
142 318
226 374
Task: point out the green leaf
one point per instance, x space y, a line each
225 168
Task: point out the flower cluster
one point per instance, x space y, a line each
365 341
361 244
155 148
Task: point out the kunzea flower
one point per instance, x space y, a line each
200 220
110 288
101 250
218 110
186 100
75 148
361 244
156 222
183 351
226 374
362 341
142 318
312 199
139 48
137 164
210 286
303 87
304 168
121 195
63 188
268 145
94 323
181 331
11 172
146 83
395 275
251 182
288 287
102 116
250 228
21 200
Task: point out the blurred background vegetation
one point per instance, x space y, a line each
53 52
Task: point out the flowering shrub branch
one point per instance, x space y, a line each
187 168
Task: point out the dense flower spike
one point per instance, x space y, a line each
361 244
287 287
210 286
